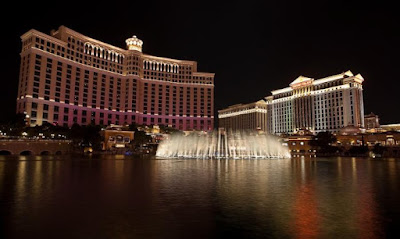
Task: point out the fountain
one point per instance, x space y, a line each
223 144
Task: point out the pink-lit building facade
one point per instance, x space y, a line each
68 78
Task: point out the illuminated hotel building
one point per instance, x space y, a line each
326 104
244 116
68 78
371 121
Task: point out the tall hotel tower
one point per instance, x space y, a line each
68 78
326 104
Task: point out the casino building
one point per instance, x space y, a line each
252 116
326 104
314 105
68 78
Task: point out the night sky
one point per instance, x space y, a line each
253 47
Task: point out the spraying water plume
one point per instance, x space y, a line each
223 144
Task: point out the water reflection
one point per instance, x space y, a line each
123 197
306 216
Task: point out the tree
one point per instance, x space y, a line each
91 136
76 132
141 137
18 121
169 130
86 135
323 142
15 126
358 150
324 139
378 149
132 127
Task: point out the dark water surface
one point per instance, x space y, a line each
128 197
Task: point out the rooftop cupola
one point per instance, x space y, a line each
134 44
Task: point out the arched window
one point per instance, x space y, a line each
390 141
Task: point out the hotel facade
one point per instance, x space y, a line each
252 116
317 105
68 78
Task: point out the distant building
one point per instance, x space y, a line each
371 122
300 144
252 116
350 136
391 127
67 77
354 136
326 104
390 139
117 137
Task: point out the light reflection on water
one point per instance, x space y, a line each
126 197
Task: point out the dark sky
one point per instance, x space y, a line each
253 47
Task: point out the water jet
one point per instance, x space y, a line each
240 144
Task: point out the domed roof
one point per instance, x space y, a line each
134 43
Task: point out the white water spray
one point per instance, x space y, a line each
222 144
